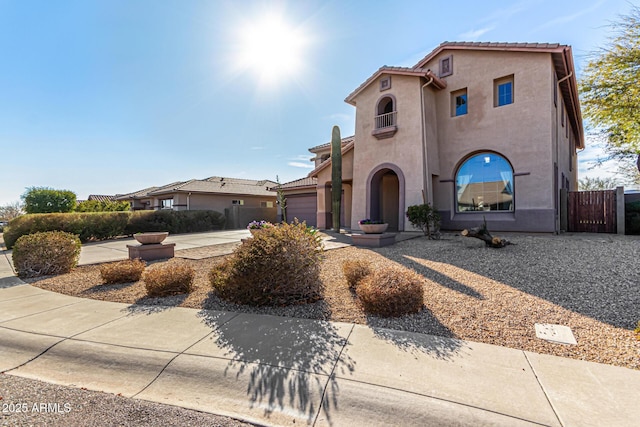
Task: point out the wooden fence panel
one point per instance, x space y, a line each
592 211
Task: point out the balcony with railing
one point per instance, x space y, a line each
385 126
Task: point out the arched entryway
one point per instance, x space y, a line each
385 196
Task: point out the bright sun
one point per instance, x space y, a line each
271 49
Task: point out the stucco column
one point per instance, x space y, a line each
620 210
323 215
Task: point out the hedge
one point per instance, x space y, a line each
94 226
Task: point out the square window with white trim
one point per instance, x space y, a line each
237 202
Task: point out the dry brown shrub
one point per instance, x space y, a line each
278 266
126 271
391 292
171 278
355 270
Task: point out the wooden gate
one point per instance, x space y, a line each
592 211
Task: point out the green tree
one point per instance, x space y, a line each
610 88
590 184
48 200
281 200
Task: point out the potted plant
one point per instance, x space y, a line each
255 226
151 238
372 226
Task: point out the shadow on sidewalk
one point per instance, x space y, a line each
289 361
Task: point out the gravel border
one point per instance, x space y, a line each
588 282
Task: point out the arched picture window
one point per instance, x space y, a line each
484 182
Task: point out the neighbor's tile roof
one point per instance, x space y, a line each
221 185
136 194
102 197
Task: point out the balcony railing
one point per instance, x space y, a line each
385 126
386 120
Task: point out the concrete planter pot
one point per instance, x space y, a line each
151 238
374 228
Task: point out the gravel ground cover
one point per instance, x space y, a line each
590 283
26 402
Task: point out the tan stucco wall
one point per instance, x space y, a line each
521 131
216 202
403 150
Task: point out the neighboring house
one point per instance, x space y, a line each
480 130
241 200
214 193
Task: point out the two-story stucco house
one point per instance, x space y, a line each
480 130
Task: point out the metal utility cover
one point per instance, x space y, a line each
555 333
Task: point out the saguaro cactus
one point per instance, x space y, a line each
336 177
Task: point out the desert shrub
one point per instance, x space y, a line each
126 271
88 226
355 270
391 292
102 206
278 266
51 252
171 278
426 218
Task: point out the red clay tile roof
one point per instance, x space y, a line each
298 183
345 141
345 149
404 71
490 46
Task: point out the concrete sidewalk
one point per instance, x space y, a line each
285 371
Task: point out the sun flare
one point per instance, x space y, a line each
271 48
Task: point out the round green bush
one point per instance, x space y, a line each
278 266
50 252
391 292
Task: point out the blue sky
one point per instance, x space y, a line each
111 96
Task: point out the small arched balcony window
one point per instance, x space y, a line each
484 182
386 113
385 119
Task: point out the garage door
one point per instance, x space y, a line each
303 207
